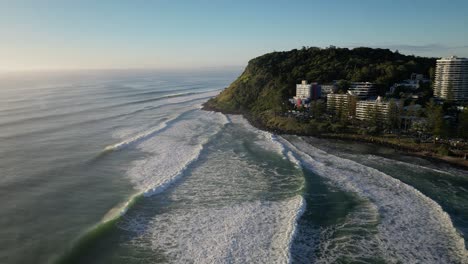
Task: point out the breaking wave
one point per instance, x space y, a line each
410 228
147 183
146 134
220 214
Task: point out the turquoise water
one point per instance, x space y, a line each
124 167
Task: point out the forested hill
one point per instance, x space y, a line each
271 78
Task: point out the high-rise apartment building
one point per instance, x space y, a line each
451 79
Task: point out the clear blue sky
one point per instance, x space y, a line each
186 34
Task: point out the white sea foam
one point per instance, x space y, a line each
355 239
149 132
138 137
248 232
412 228
172 150
178 97
159 185
140 173
293 226
266 140
219 214
181 99
414 167
293 158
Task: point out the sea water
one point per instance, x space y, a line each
124 167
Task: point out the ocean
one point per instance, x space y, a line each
124 167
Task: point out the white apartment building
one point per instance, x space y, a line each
366 109
339 102
303 90
451 79
362 90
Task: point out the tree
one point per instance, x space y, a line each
372 120
412 112
435 118
432 73
462 128
340 107
393 117
371 115
449 96
317 109
331 105
352 101
343 85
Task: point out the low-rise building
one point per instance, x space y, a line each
328 89
362 90
413 83
340 103
304 102
378 109
305 93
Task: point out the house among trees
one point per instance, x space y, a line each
413 83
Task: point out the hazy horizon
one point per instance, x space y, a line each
179 69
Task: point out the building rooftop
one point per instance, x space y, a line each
453 58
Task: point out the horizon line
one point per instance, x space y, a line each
214 67
402 49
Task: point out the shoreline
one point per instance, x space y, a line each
450 160
405 150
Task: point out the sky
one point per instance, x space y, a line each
172 34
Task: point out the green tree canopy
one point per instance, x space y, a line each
435 118
271 78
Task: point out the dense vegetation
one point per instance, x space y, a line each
269 79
